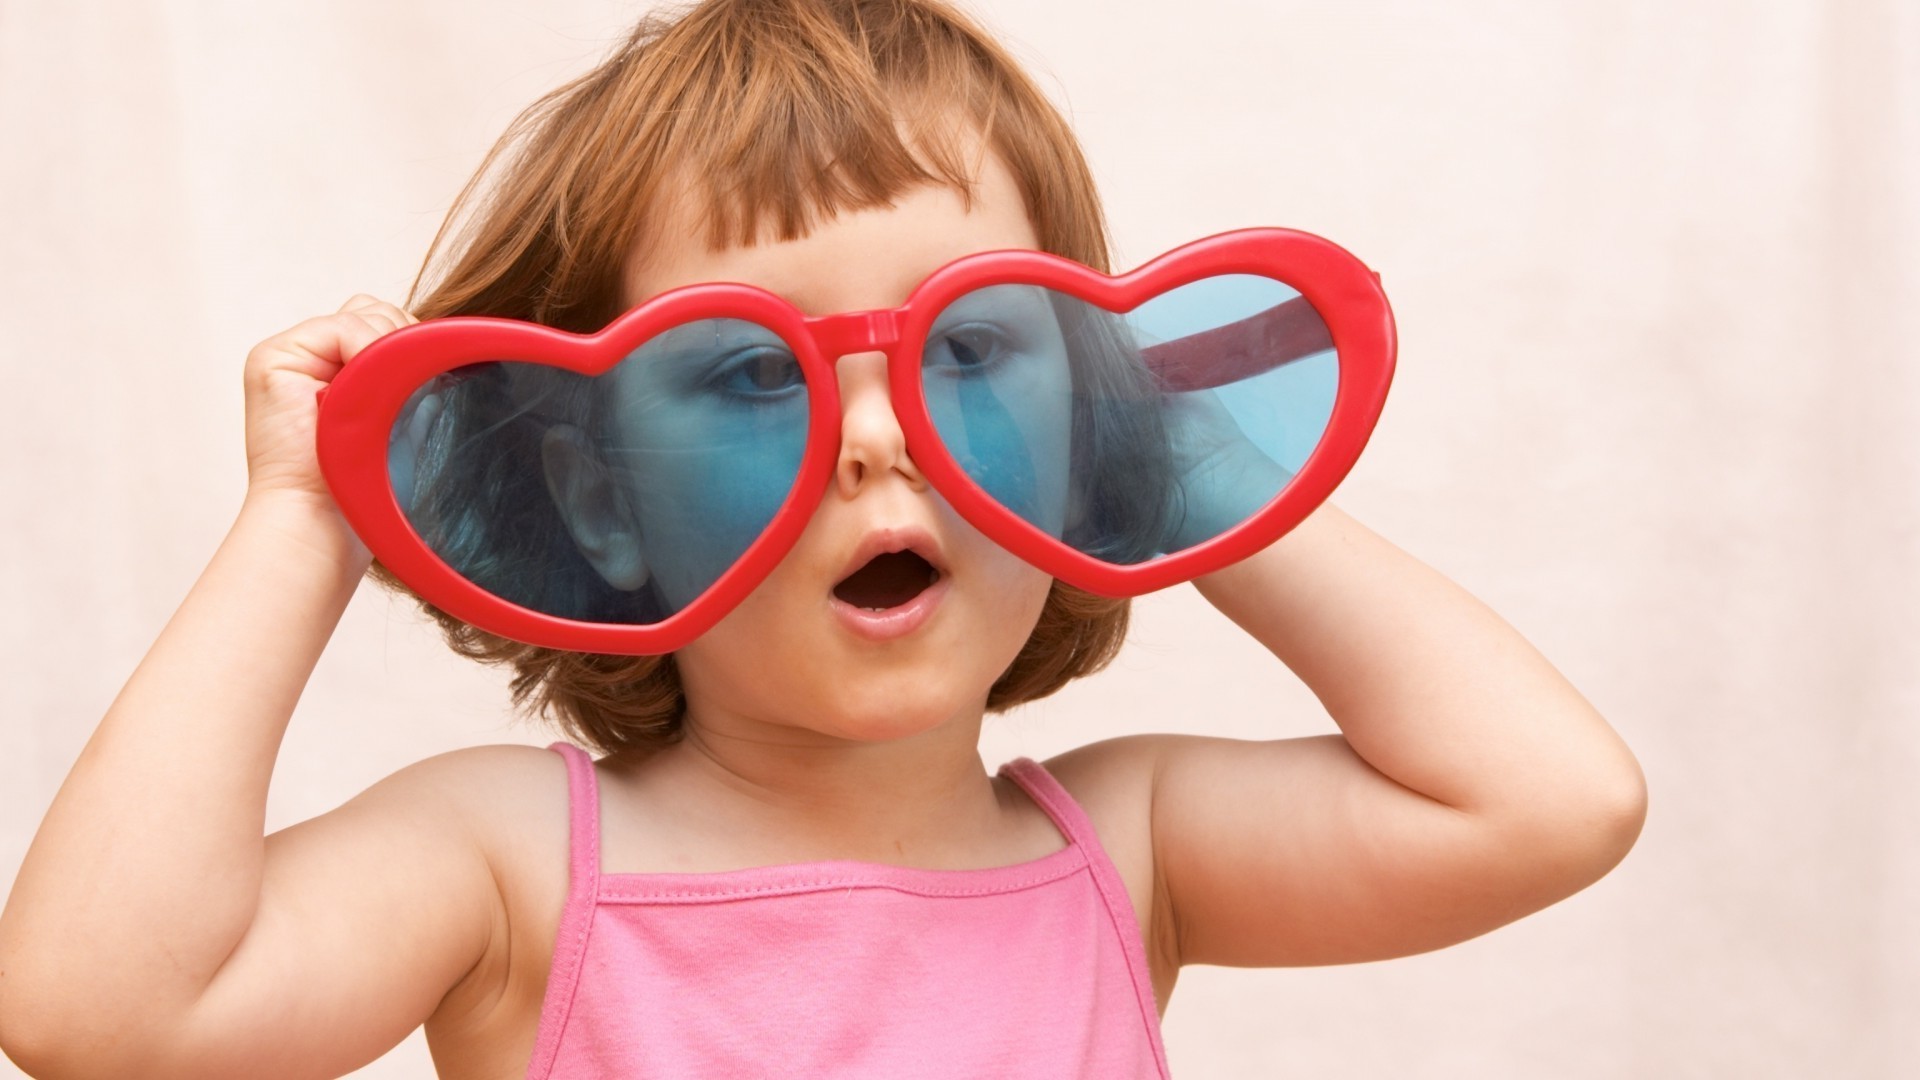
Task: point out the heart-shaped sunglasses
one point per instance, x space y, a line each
620 492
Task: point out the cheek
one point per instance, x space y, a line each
1010 431
1014 591
755 657
1004 602
704 480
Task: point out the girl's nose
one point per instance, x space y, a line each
871 442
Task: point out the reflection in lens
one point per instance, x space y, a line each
1132 435
612 498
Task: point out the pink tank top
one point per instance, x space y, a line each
849 969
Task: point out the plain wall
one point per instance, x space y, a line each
1657 404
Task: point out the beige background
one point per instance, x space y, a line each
1658 404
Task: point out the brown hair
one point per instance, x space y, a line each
799 105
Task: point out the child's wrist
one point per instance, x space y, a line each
313 521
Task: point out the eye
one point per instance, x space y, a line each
974 347
763 372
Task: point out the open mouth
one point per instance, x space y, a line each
887 581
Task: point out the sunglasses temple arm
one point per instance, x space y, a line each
1239 350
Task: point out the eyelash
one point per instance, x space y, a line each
976 338
989 339
744 363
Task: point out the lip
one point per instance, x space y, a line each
894 622
898 538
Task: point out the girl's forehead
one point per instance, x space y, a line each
853 260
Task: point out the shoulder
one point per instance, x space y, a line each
511 803
508 801
1112 776
498 782
1141 793
511 799
1113 782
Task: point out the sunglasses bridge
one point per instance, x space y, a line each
855 331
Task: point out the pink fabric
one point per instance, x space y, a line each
850 969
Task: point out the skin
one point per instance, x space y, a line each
154 931
704 425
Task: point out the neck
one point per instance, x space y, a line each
792 794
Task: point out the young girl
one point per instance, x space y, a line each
789 859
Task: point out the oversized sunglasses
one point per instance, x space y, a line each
621 491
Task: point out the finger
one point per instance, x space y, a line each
329 341
368 305
381 321
361 300
361 329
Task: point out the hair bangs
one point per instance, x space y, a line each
756 119
791 113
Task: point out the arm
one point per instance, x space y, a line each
1473 784
153 931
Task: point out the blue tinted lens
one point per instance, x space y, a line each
1137 434
617 498
997 387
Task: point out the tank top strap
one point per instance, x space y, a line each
1067 815
576 918
583 826
1053 798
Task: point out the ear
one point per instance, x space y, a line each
594 506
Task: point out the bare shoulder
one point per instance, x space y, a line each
511 804
1113 782
1140 791
498 783
1114 775
511 801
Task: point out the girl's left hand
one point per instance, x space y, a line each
1223 478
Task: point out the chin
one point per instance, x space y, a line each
886 708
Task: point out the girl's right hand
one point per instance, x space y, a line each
283 374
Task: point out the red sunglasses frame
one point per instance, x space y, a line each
358 409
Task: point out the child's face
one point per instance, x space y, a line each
792 654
